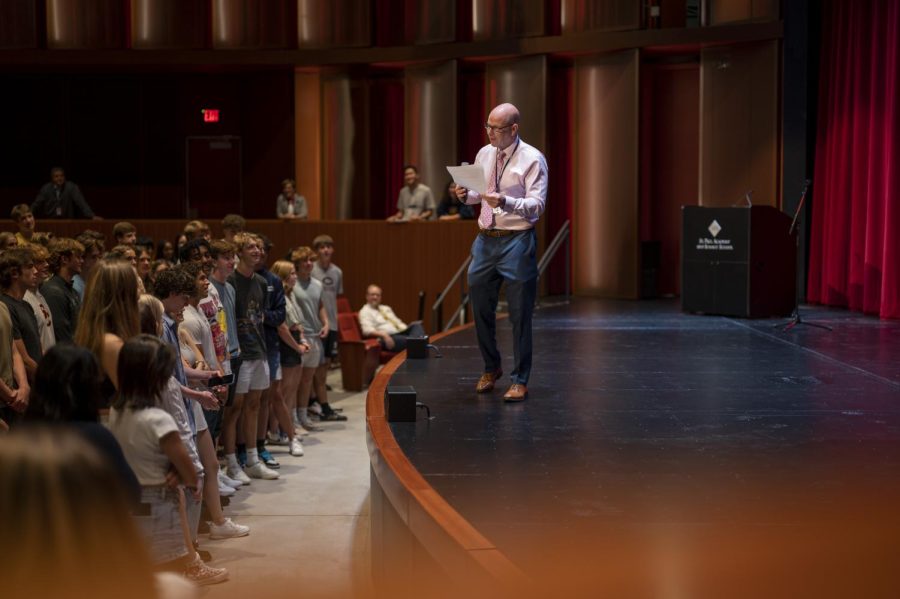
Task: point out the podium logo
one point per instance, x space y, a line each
714 228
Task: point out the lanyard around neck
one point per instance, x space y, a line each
505 164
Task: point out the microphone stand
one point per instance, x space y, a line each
796 318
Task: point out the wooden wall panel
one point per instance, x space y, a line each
605 203
333 24
85 24
732 11
159 24
497 19
430 21
308 139
430 122
522 82
402 258
18 24
670 154
250 24
739 124
578 16
338 139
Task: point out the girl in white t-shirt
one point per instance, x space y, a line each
200 445
152 445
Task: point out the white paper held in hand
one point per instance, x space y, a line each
470 176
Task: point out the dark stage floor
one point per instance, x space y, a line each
669 455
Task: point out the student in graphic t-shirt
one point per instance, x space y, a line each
253 378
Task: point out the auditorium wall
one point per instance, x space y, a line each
669 154
122 137
340 95
739 125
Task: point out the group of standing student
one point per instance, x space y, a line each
148 359
285 342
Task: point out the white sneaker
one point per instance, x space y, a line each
237 474
227 530
276 439
307 424
227 480
201 574
296 447
225 490
260 470
315 408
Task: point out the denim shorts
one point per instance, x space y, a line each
160 523
274 362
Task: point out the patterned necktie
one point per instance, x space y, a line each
486 218
392 321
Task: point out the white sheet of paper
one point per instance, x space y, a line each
470 176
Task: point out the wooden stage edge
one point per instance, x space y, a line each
469 562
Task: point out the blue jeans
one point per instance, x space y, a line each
160 524
510 259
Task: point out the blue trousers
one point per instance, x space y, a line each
495 260
401 338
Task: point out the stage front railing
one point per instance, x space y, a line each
564 236
437 309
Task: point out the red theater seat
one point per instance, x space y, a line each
359 357
343 305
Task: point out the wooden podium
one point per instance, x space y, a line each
737 262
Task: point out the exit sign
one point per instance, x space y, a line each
210 115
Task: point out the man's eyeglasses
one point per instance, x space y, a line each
490 128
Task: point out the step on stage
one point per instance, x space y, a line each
663 454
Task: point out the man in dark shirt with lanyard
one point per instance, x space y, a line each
506 245
61 199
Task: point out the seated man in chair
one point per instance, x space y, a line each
378 320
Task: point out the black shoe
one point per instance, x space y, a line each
332 416
316 408
328 388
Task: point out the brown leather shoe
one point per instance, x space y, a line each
487 380
516 392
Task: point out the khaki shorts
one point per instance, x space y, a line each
313 358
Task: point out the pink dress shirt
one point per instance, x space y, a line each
524 183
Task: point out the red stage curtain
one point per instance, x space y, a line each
855 247
472 112
559 160
386 142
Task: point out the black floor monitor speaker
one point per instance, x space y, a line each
400 403
417 348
